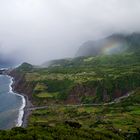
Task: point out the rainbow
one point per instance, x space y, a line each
113 47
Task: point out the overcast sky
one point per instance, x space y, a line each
40 30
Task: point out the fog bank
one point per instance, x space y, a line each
40 30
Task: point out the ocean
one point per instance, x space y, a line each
11 105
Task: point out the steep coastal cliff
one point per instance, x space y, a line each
75 93
20 85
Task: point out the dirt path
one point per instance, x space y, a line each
78 105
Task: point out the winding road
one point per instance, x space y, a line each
117 100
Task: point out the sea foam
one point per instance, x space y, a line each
21 109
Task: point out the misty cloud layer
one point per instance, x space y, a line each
40 30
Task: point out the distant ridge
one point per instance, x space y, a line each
116 43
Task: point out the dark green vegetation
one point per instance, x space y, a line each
118 121
94 79
59 133
89 79
99 117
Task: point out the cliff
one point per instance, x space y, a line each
20 85
69 92
85 94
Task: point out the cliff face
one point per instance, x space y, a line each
1 71
85 94
20 85
78 94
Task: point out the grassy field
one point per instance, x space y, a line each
90 80
101 74
47 95
120 119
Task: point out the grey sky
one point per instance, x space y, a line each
39 30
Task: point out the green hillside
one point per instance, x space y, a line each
114 44
90 79
119 121
83 96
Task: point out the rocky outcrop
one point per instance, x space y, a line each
20 84
78 92
83 91
1 72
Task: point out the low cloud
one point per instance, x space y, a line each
40 30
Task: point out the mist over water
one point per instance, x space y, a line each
39 30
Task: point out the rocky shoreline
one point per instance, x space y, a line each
27 112
28 104
15 79
18 86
